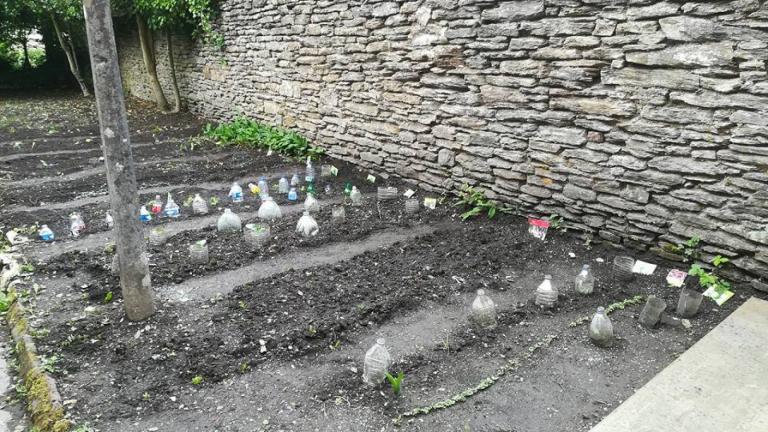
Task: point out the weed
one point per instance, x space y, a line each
557 222
311 331
335 345
250 133
588 242
49 363
242 305
197 380
145 397
40 333
21 391
395 382
27 268
243 367
711 279
213 201
188 201
477 203
691 249
108 297
82 428
4 303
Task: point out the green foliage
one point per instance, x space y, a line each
4 302
83 428
49 363
213 201
477 203
556 222
395 382
27 268
197 380
250 133
108 297
711 279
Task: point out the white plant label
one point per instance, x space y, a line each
371 178
334 170
430 203
718 297
676 278
643 268
409 193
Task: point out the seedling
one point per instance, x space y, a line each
335 345
188 201
145 397
311 330
556 222
711 279
108 297
27 268
83 428
395 382
242 305
244 367
4 303
49 363
477 203
213 201
197 380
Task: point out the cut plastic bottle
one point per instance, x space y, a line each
310 171
263 187
307 225
229 222
198 252
295 181
199 205
172 209
109 220
283 186
338 214
311 204
236 193
269 210
144 215
76 224
355 196
157 205
484 311
546 293
293 195
257 234
376 364
601 329
584 281
46 234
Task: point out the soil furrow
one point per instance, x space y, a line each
225 282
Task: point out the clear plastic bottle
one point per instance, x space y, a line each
283 186
307 225
484 311
199 206
157 236
236 193
356 196
601 329
76 224
263 187
310 171
338 214
269 210
46 234
311 204
257 234
171 208
198 252
546 293
295 181
293 195
229 221
114 268
109 220
584 281
144 215
377 362
157 205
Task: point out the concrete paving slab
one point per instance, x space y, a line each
719 385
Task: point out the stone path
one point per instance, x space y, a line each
718 385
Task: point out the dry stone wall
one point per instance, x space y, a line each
642 122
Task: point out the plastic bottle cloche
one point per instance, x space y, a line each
307 225
269 210
376 364
601 329
546 293
199 206
584 281
484 311
228 221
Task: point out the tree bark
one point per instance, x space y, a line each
121 178
174 81
26 64
148 53
71 59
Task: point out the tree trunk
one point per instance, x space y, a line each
71 59
121 178
26 64
174 81
148 53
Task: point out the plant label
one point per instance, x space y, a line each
334 171
409 193
269 152
371 178
430 203
644 268
676 278
538 228
719 297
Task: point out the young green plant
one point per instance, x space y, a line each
395 381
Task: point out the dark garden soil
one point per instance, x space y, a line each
285 351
